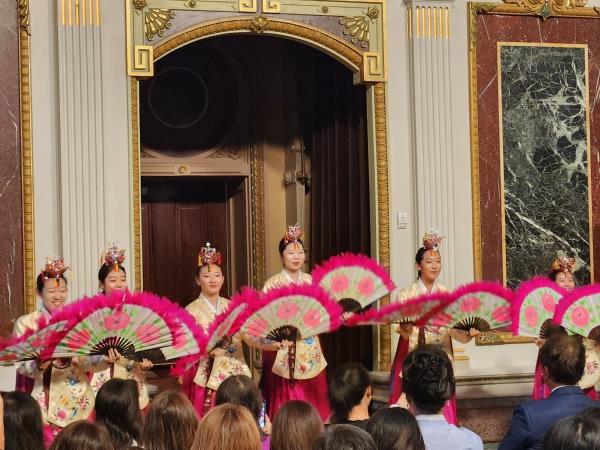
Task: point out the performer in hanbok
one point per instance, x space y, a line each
561 272
60 386
310 378
113 277
203 379
429 265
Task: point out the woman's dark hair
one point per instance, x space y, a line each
106 269
283 245
170 423
118 410
41 280
344 437
240 390
428 378
419 258
295 426
579 432
552 275
347 389
395 429
564 357
23 429
82 435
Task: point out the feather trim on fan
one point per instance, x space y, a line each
481 305
128 322
579 310
530 313
416 311
353 280
300 311
223 327
31 344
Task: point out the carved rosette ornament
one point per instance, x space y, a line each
140 4
259 24
358 26
156 21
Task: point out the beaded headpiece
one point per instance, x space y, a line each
54 268
114 256
208 255
432 241
563 264
293 234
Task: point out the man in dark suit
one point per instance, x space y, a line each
563 361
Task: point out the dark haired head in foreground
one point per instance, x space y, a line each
344 437
22 422
350 395
82 435
295 426
580 432
563 359
395 429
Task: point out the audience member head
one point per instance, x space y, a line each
240 390
349 388
344 437
22 422
170 423
427 379
82 435
227 427
395 429
295 426
579 432
563 360
118 410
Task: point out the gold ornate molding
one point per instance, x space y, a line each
383 212
23 13
340 50
140 4
358 26
257 200
26 158
156 21
259 24
136 182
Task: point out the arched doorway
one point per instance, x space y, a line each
214 110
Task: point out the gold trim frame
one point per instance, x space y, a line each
29 274
343 52
542 9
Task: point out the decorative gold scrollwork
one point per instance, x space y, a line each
373 66
358 26
271 6
156 21
259 24
140 4
23 11
143 61
248 5
547 8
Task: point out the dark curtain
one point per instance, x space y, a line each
333 116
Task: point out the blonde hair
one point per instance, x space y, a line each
228 427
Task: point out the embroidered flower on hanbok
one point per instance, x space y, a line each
61 414
72 381
591 367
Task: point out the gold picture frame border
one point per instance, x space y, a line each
543 10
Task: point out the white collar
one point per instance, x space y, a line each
436 417
423 288
214 309
558 387
291 280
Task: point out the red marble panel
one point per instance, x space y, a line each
492 29
11 216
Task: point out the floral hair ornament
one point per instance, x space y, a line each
54 268
114 256
293 234
208 255
563 264
432 241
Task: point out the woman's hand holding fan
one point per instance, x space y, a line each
354 281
